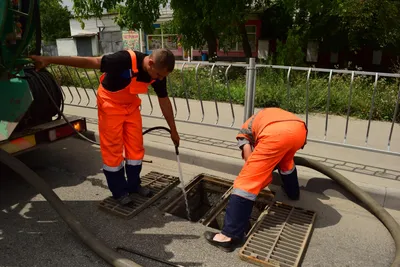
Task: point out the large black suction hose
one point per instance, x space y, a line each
109 255
115 259
365 198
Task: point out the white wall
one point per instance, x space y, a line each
66 47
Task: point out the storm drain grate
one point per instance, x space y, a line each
280 236
158 183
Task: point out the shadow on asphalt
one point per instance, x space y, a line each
310 198
33 234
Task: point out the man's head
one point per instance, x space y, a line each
160 63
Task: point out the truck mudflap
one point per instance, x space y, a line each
43 134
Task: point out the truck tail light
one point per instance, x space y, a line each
65 130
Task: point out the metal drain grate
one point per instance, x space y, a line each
280 236
158 183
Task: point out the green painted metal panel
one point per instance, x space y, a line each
15 100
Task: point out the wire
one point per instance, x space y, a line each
60 112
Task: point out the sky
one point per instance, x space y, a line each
67 3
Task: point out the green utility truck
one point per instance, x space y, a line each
31 102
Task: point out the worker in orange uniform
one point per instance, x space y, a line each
126 74
268 139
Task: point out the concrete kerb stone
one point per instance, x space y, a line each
386 197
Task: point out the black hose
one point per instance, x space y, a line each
115 259
161 128
47 101
89 239
365 198
60 112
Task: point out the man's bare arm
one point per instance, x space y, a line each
79 62
247 151
166 108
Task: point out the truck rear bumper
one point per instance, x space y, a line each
43 134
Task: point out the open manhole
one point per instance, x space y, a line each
280 236
158 183
207 197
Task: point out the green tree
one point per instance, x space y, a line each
206 21
369 22
133 14
54 20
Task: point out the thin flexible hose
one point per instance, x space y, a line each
89 239
114 258
370 203
161 128
84 137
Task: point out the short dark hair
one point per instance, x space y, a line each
164 58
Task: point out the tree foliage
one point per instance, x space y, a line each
337 24
206 21
54 20
132 14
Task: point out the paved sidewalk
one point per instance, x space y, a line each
215 148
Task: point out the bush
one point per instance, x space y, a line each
272 89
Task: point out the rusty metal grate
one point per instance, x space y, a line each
280 236
158 183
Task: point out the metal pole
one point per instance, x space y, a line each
250 89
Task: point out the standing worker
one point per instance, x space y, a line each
275 135
126 74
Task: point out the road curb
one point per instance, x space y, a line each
386 197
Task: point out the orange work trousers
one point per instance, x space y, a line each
276 146
120 128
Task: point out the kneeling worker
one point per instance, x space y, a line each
126 74
276 135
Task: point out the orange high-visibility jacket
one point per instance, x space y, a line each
253 127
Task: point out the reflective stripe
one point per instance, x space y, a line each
242 141
288 172
244 194
113 169
249 130
134 162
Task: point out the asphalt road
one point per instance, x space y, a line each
32 233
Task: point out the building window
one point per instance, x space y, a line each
160 38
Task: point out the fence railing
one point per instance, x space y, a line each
340 107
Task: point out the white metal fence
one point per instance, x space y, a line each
230 101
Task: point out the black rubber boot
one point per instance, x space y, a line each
118 186
134 181
291 184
